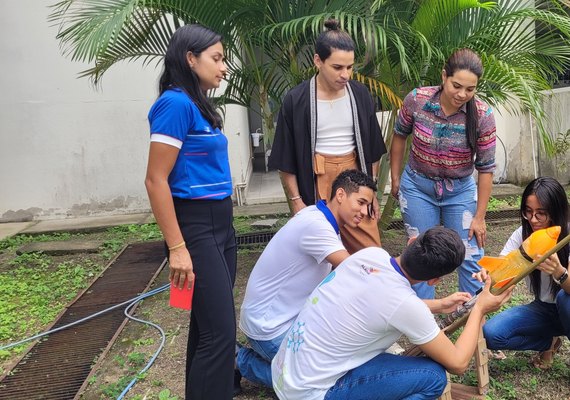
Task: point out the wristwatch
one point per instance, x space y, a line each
562 278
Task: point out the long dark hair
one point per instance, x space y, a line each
177 72
467 59
552 197
332 38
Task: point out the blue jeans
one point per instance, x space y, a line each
529 327
388 377
426 202
254 363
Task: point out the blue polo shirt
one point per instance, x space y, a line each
202 169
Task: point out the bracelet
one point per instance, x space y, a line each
178 246
295 198
562 278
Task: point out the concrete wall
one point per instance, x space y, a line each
557 106
514 151
525 157
66 148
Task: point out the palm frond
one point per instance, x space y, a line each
518 90
390 100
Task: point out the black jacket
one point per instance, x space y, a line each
291 150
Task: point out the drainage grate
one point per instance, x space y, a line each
56 367
254 238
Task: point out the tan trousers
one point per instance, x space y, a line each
327 168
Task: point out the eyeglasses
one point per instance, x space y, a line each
540 216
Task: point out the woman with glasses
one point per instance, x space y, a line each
537 325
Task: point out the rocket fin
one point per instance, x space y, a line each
492 263
503 283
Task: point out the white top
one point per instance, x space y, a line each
514 242
356 313
335 127
290 267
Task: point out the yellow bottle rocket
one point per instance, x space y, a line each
519 263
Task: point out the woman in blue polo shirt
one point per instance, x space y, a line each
189 186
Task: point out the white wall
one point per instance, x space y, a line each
557 107
514 152
526 158
67 149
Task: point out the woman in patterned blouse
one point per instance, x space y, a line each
453 133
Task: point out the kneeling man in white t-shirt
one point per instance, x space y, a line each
336 348
295 261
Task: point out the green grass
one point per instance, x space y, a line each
34 290
166 395
35 287
14 242
503 203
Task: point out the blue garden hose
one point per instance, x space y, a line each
130 304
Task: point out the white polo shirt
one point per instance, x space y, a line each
290 267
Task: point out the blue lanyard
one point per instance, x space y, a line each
396 266
322 205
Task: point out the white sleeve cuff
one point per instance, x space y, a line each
169 140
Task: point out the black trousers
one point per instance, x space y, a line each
207 227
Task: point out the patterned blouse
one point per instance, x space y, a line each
439 145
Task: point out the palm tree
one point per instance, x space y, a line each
402 44
269 42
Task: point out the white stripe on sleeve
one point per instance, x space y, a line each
160 138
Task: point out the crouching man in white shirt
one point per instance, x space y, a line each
295 261
336 347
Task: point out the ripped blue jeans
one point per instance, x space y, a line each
426 202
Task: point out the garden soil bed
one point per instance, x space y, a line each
513 378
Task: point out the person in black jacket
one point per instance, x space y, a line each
326 125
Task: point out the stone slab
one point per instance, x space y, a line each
265 223
62 247
84 224
8 229
262 209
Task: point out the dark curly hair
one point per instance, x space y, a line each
351 181
435 253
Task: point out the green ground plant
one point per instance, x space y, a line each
35 287
166 395
502 203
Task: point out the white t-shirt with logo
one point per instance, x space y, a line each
356 313
291 266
